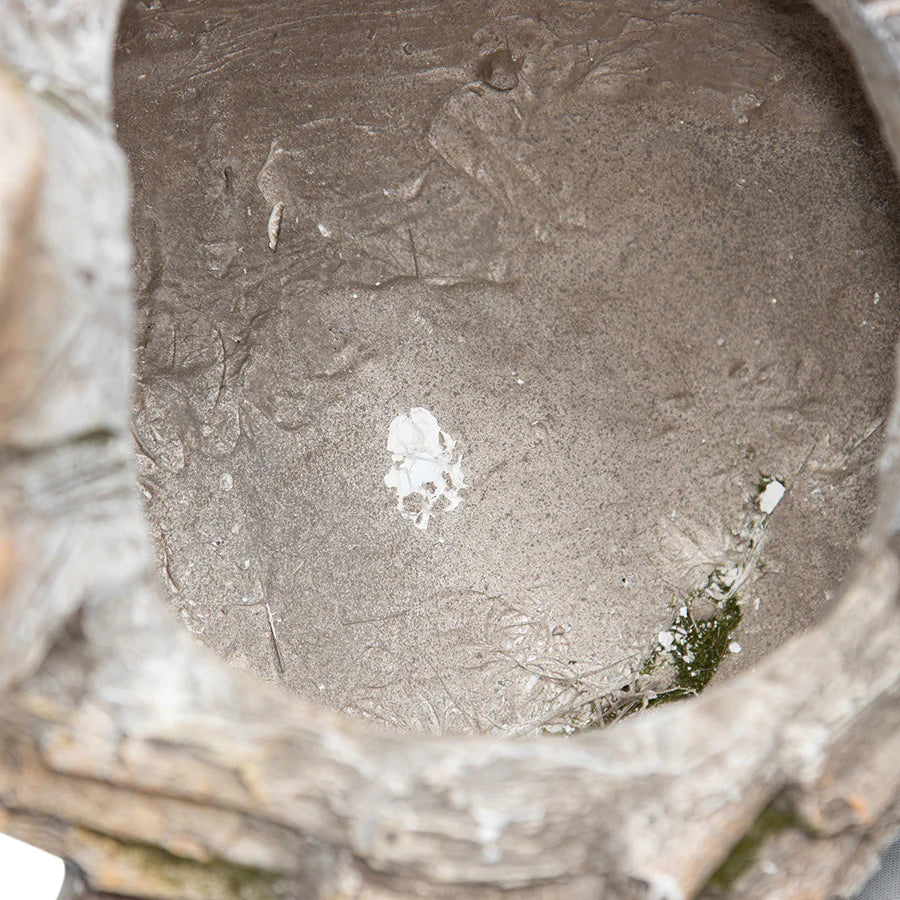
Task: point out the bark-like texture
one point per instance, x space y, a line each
163 773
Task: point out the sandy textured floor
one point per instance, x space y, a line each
633 256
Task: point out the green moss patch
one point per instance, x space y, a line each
745 852
691 648
168 876
698 647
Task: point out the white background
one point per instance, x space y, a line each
27 873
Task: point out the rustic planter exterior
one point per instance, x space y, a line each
163 773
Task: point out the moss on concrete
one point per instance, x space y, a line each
126 864
745 852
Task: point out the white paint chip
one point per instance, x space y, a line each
427 469
666 640
734 647
771 497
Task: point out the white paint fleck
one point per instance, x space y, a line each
427 469
226 482
666 640
324 230
771 497
729 575
734 647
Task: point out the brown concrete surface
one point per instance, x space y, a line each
658 265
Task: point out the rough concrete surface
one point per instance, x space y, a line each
635 257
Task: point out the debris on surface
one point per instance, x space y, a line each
274 227
427 471
771 496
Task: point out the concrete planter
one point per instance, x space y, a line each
162 772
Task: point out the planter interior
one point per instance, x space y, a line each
639 261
